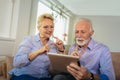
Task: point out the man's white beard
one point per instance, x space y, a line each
83 42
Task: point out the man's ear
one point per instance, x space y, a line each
91 33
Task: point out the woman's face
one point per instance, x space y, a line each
46 28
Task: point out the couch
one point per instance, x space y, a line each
7 65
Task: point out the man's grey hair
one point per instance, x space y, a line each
88 20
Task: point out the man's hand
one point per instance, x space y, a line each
75 52
80 73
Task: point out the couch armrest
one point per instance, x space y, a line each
9 65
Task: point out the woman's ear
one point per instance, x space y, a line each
38 27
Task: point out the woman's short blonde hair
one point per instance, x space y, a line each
44 16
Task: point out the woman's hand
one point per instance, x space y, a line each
32 55
79 73
45 48
59 44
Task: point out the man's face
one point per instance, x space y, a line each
46 28
83 33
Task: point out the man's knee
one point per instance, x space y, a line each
60 77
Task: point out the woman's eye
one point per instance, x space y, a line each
45 27
52 26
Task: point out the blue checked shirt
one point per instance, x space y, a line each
37 67
97 59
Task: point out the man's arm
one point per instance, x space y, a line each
81 72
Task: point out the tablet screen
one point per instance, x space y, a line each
59 62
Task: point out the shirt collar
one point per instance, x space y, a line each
37 37
91 44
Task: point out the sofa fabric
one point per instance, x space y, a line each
5 66
116 64
9 62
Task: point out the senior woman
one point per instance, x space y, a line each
31 61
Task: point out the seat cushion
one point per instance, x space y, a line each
116 64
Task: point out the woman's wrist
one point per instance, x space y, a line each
62 49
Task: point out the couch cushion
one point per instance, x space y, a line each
4 69
2 60
2 78
116 64
0 68
9 65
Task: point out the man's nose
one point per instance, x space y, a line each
79 35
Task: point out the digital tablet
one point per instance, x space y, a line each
59 62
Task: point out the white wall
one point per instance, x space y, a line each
23 21
19 23
5 18
106 27
107 30
6 46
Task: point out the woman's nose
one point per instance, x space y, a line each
50 29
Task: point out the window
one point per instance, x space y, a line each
5 18
61 21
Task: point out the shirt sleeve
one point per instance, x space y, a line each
71 49
21 57
106 66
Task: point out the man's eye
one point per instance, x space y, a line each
83 31
76 31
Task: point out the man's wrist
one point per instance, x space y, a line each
92 76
